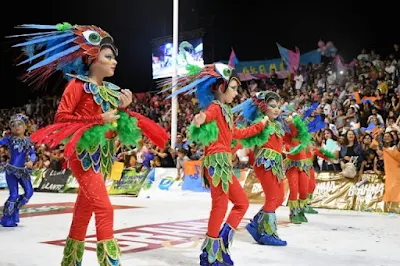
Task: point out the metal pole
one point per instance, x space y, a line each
174 105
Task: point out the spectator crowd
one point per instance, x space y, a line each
358 101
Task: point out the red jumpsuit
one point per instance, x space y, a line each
271 182
81 108
297 176
268 168
78 106
235 192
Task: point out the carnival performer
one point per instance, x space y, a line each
298 164
18 169
268 165
91 114
216 87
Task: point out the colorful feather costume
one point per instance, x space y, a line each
268 165
216 134
79 124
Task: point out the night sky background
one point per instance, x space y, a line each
252 28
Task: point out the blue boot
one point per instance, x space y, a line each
264 229
212 252
227 233
8 214
21 201
252 227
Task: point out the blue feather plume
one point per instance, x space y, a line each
316 125
37 34
250 111
188 87
44 39
37 26
47 51
240 106
203 92
309 111
54 57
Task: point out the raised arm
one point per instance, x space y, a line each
241 133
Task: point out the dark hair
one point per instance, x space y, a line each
330 131
346 141
370 152
183 151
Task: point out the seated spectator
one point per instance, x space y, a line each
351 151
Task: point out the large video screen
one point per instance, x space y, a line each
189 52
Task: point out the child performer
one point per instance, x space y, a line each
91 114
268 165
18 171
216 86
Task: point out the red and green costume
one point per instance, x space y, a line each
216 135
268 167
89 142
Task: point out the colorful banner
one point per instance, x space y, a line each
254 190
265 66
192 179
333 191
130 183
54 181
164 183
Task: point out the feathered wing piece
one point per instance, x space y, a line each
200 81
316 124
328 152
310 110
63 47
303 136
154 132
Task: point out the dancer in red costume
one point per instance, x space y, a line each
216 86
91 114
268 164
298 164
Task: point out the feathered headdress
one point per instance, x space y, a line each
20 118
62 47
252 108
203 81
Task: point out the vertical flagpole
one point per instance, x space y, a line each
174 105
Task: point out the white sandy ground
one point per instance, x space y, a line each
330 238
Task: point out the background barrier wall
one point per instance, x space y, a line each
332 191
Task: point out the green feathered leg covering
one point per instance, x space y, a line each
294 212
108 253
302 206
214 248
219 166
73 252
308 209
267 223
